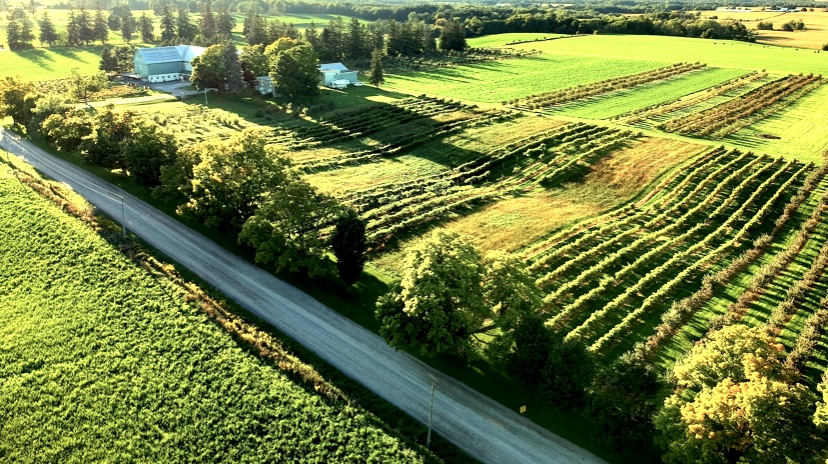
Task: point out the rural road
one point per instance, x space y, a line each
477 424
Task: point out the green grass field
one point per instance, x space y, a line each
800 130
716 53
498 81
102 361
609 106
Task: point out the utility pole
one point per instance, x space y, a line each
430 414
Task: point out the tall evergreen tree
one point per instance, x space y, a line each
376 77
256 30
109 62
208 22
87 31
100 26
145 26
225 23
357 41
349 246
48 34
19 29
186 29
453 37
168 31
127 27
313 39
73 29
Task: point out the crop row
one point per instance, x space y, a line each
623 233
741 111
641 242
663 108
656 299
473 172
580 92
680 311
536 254
363 121
578 306
768 272
405 142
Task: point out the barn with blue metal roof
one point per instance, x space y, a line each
163 64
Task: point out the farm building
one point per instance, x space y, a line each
163 64
332 72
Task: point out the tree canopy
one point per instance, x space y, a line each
231 179
294 72
733 401
218 67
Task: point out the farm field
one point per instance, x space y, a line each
716 53
625 101
122 366
816 23
505 80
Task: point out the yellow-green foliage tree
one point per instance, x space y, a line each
230 179
733 400
447 294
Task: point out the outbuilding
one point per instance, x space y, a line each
332 72
162 64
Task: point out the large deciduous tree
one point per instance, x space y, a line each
17 100
232 179
622 401
218 67
146 151
295 73
439 301
349 246
734 401
288 228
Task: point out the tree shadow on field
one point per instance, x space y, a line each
37 56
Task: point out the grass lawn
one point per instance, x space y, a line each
716 53
500 40
496 81
50 63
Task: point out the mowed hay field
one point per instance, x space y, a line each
102 361
814 37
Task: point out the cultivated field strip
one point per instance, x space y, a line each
627 242
353 124
607 280
538 161
660 109
559 97
536 254
431 130
657 298
669 245
725 119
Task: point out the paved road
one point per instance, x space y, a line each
477 424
